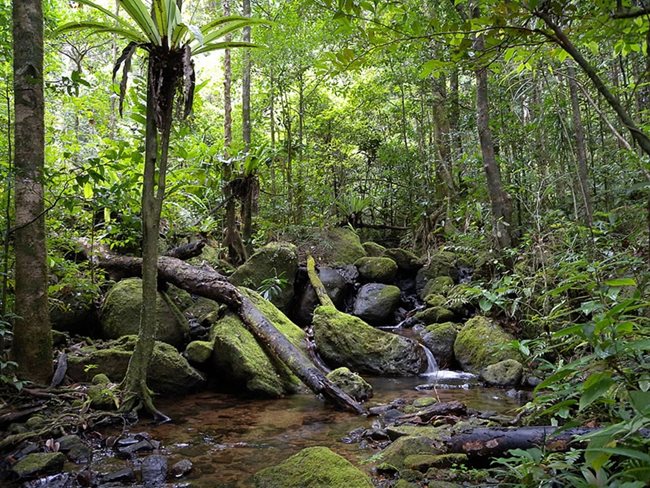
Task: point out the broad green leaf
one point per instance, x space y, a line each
595 387
88 191
621 282
210 35
640 401
622 451
100 27
224 45
141 16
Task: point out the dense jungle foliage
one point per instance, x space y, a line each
512 133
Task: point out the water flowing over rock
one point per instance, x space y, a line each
345 340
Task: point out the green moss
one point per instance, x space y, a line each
276 259
314 467
403 447
169 372
424 402
373 249
435 300
376 303
345 340
405 259
377 270
120 314
481 343
241 360
503 373
440 285
338 246
423 462
351 383
435 315
198 352
39 463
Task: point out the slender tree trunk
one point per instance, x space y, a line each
301 134
247 203
454 115
32 344
500 200
274 188
7 215
581 151
232 237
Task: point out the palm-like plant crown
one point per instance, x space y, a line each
170 42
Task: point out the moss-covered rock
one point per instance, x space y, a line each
480 343
439 339
314 467
240 360
337 246
406 260
423 462
120 314
503 373
198 352
376 270
376 303
276 259
435 300
39 463
169 372
351 383
103 395
403 447
442 263
434 315
345 340
440 285
201 309
373 249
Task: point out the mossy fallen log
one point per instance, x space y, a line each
208 283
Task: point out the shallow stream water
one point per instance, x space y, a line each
228 438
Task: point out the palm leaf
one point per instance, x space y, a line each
225 19
224 45
178 34
210 35
101 27
105 11
141 16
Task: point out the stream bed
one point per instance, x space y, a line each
229 438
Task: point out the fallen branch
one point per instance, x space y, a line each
208 283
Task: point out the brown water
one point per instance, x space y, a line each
229 438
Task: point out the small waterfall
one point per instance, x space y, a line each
432 364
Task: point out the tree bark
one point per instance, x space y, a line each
500 200
32 343
210 284
581 151
247 203
317 284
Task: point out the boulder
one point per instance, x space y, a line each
275 260
351 383
439 339
337 246
376 270
240 360
169 372
480 343
442 263
406 260
435 300
336 286
434 315
375 303
120 314
440 285
345 340
314 467
503 373
396 453
39 463
198 352
373 249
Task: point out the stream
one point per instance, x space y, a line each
228 438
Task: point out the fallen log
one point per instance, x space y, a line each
490 442
208 283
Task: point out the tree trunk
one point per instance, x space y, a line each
32 343
500 200
247 203
232 237
210 284
581 151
